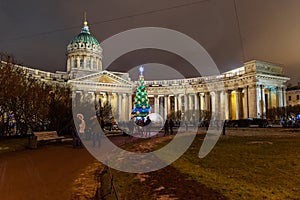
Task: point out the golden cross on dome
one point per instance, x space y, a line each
85 23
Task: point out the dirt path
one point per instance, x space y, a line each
45 173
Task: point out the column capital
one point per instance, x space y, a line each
238 90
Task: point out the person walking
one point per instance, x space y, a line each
166 127
148 126
171 124
81 125
224 129
76 139
96 132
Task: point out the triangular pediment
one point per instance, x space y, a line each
104 77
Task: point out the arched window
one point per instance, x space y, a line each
88 63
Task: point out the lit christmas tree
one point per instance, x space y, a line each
141 103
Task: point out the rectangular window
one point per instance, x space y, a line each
75 63
290 98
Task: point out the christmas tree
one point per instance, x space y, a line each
141 103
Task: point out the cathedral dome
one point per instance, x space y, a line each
84 40
84 37
84 53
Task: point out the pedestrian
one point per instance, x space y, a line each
223 130
76 138
81 125
166 127
171 124
96 131
141 124
148 126
131 127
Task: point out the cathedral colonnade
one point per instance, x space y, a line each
251 101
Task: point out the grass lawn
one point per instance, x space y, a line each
247 167
252 167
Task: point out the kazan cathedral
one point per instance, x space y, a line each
249 91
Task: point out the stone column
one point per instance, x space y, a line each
161 106
222 105
97 64
253 101
284 96
191 107
196 100
207 101
279 99
120 107
129 106
124 107
258 100
78 62
227 102
68 64
84 62
73 61
270 102
100 65
91 62
238 106
180 102
186 114
175 103
190 102
166 97
263 101
246 105
216 105
156 104
169 104
108 95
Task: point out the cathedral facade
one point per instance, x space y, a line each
247 92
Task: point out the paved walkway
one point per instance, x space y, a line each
45 173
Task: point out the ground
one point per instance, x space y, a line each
45 173
245 164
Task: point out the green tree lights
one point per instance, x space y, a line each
141 103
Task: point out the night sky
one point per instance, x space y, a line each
37 32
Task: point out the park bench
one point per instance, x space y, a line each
48 135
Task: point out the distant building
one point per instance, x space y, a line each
249 91
293 95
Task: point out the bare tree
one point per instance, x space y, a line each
31 100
